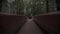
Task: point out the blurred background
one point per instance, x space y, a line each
44 15
29 7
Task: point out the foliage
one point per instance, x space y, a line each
28 7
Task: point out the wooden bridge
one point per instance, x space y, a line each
40 24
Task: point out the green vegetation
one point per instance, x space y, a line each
28 7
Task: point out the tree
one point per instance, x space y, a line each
52 6
47 6
0 5
4 6
58 5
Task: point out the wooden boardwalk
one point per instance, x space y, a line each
30 28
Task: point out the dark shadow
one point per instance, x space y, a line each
42 29
30 17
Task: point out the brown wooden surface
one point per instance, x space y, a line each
11 23
49 22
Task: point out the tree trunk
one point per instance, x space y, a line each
0 5
47 6
58 5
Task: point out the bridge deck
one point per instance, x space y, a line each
30 28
